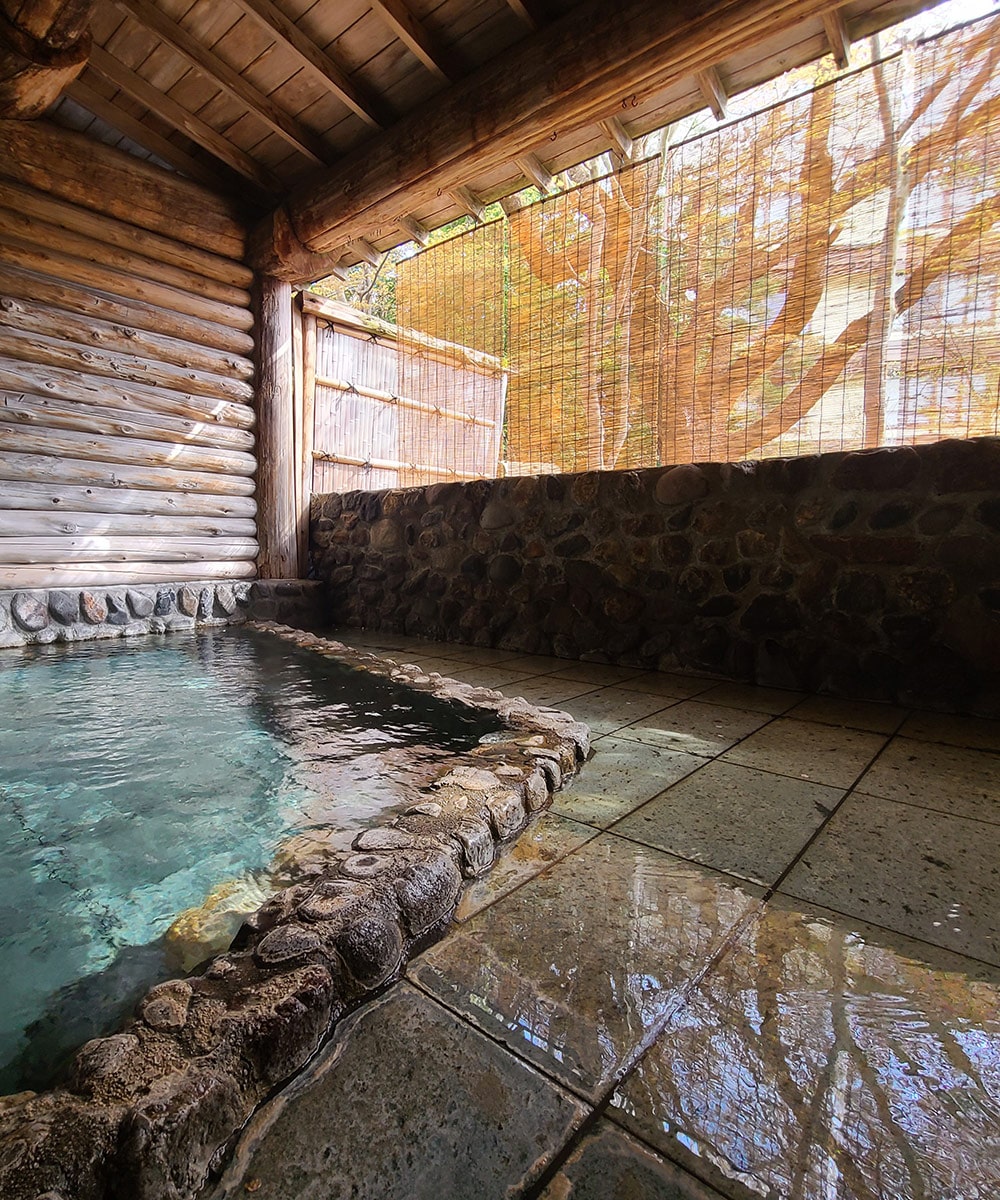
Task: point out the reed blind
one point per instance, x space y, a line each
822 275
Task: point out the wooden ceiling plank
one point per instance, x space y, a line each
244 92
835 28
318 61
415 36
179 118
132 127
535 170
714 91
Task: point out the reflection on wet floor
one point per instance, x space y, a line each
754 952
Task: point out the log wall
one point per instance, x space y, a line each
126 374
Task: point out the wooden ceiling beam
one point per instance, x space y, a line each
115 116
42 48
835 28
713 89
168 110
603 56
231 81
415 36
369 108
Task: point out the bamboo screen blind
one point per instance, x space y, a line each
823 275
396 409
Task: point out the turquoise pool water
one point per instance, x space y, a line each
136 778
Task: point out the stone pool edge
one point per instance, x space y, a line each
150 1112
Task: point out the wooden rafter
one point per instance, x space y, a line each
527 11
365 251
115 116
415 36
469 202
317 62
232 82
417 232
168 110
536 171
712 88
835 28
618 136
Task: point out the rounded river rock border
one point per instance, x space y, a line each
151 1112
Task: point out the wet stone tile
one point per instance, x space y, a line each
696 727
753 699
620 776
537 664
549 691
910 869
954 780
489 677
852 714
598 673
809 750
609 709
976 732
573 969
609 1164
406 1101
748 823
824 1058
545 842
664 683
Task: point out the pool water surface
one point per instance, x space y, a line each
139 779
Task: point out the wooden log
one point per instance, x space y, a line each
77 524
83 574
49 261
84 171
25 410
31 227
601 55
50 469
53 497
276 477
29 551
122 450
298 407
92 331
97 303
52 352
42 48
92 389
124 236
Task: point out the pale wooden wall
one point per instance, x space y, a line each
126 389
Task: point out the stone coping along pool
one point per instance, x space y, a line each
150 1112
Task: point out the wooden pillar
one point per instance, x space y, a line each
276 465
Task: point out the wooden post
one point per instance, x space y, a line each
308 428
276 516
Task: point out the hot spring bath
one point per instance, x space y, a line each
150 795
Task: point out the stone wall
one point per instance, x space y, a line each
37 617
872 575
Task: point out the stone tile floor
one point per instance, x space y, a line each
753 951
